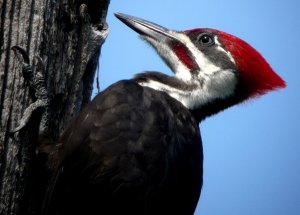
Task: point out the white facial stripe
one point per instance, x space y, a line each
223 50
180 70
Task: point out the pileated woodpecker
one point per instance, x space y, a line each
136 148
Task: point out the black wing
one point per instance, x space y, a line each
132 150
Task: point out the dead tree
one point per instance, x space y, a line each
63 39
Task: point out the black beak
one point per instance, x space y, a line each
146 28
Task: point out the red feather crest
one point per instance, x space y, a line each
257 76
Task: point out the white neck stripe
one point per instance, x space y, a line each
217 86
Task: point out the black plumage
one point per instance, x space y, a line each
132 150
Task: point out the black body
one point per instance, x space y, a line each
132 150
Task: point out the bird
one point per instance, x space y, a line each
136 148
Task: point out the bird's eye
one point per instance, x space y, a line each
206 40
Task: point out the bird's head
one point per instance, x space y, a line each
212 69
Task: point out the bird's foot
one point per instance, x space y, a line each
37 84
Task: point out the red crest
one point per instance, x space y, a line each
257 76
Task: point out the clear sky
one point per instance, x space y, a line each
252 151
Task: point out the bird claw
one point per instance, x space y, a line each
28 113
23 52
37 83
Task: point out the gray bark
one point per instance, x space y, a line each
69 38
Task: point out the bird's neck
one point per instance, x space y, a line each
172 86
202 103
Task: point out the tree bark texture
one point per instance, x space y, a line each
68 35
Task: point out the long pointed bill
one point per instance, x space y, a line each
146 28
169 44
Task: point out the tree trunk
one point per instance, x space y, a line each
68 35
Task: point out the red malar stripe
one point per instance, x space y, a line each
183 54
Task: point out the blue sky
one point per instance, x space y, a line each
252 151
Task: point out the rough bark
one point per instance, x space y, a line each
68 36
